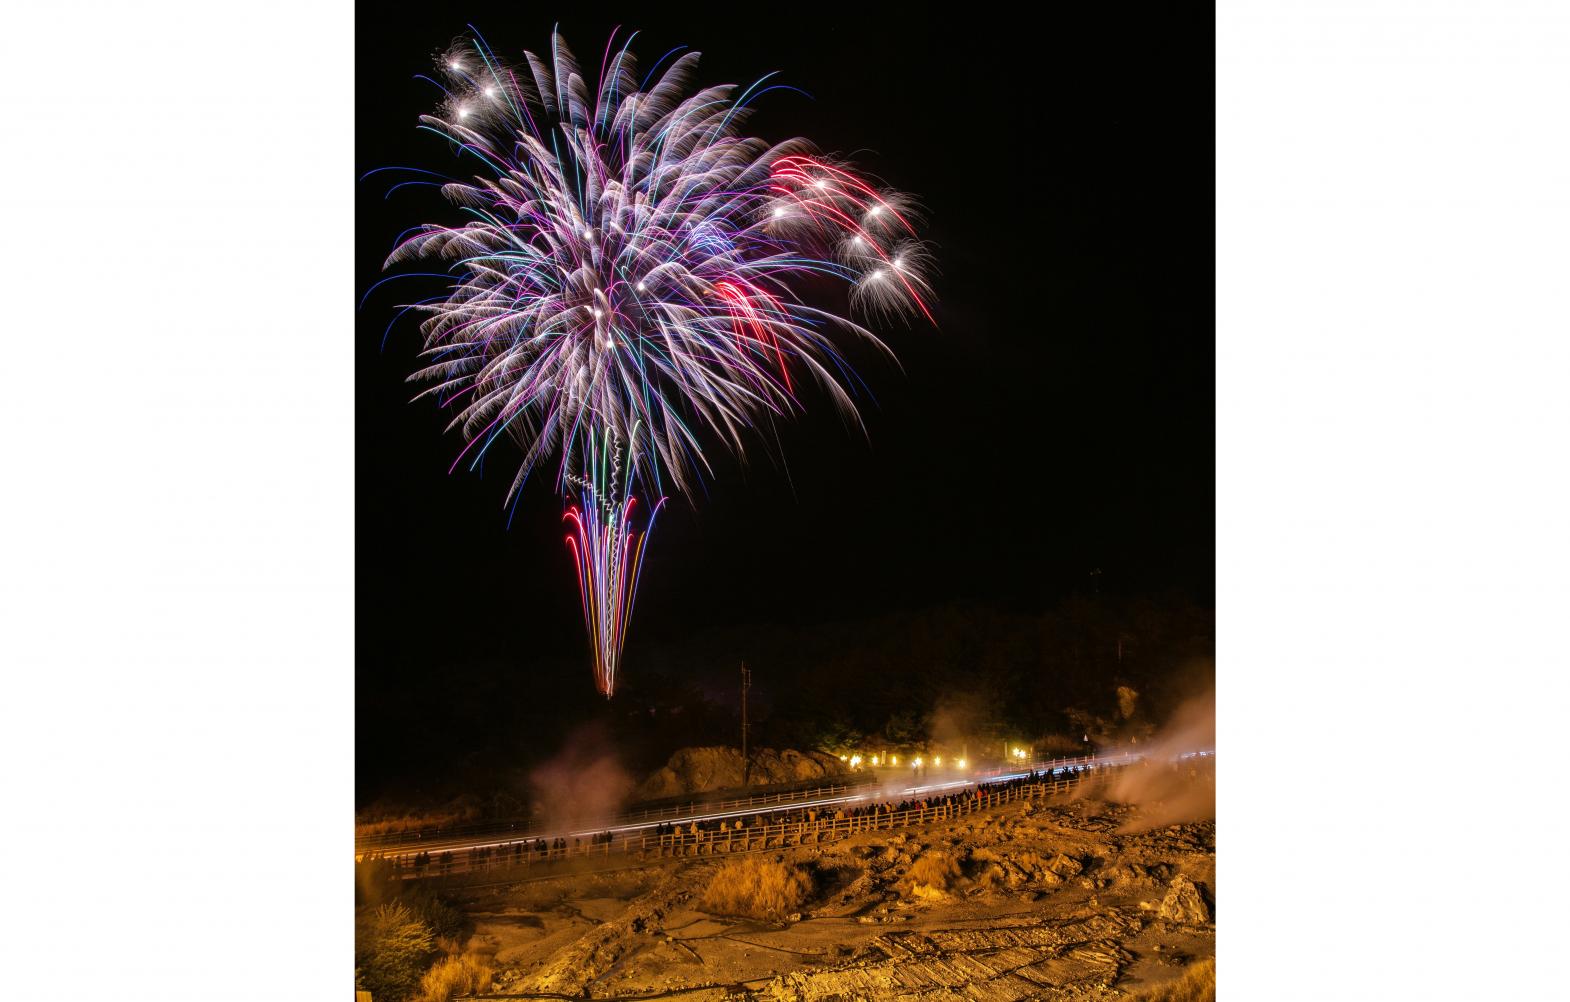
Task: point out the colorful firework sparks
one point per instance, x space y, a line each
625 285
607 551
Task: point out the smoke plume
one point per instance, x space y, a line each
1166 787
583 783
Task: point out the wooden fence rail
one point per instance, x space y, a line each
827 824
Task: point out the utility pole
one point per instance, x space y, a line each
746 763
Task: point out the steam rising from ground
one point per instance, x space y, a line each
582 783
955 718
1167 789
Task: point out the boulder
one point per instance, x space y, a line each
1184 904
1065 866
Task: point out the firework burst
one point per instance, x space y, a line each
625 286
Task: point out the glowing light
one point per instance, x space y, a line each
937 760
893 760
873 212
917 763
607 551
960 763
715 357
855 760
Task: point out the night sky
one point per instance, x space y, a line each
1053 434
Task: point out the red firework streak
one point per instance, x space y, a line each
746 318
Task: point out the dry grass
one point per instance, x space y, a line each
453 975
417 822
1198 984
933 873
990 877
757 888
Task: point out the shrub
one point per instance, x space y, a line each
445 921
373 881
932 874
391 949
1198 984
757 888
1056 745
1128 701
455 975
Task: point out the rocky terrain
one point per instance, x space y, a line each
1064 898
706 770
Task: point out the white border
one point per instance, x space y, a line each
176 608
1392 411
176 571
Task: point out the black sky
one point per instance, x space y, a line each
1059 420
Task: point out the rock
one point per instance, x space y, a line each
1064 866
1184 904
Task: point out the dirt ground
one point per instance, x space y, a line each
1059 899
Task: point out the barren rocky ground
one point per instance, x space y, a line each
1056 899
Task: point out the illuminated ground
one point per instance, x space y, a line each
1061 899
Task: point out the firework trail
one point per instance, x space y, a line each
626 286
608 552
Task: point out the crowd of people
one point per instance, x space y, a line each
672 833
668 833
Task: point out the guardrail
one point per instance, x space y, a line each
528 856
521 829
533 829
